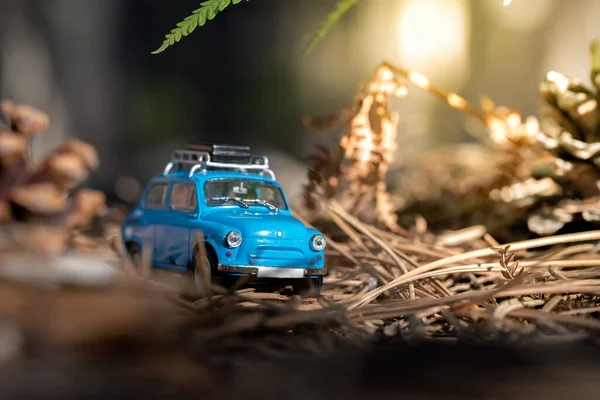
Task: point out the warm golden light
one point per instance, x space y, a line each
553 75
456 101
401 91
419 79
513 120
498 132
386 74
560 81
433 30
587 107
507 2
532 127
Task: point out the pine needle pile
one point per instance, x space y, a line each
74 305
450 283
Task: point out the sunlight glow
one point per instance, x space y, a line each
522 15
456 101
561 81
587 107
419 79
430 31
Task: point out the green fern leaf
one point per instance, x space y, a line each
340 9
207 11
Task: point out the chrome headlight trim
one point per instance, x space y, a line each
318 242
233 239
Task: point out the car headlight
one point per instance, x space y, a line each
233 239
317 242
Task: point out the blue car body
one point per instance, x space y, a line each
274 244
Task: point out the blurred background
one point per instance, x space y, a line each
242 77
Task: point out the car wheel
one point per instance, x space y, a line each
308 286
135 254
203 270
206 266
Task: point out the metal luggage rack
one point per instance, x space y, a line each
201 161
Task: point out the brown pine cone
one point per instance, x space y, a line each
38 203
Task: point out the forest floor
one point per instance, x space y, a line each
441 314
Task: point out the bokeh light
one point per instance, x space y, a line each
432 38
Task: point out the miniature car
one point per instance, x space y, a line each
219 208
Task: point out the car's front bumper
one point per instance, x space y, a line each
272 272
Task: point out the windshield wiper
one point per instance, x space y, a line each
263 203
234 199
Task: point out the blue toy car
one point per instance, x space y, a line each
226 199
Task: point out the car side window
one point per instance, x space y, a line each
183 197
156 196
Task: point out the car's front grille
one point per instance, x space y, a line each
276 253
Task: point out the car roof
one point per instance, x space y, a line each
202 177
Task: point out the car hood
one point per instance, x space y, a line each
257 224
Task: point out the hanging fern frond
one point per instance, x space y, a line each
207 11
340 9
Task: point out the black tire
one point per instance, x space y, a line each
308 286
135 254
210 265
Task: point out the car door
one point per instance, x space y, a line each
145 219
174 232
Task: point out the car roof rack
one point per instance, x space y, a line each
204 156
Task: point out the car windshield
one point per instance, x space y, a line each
244 192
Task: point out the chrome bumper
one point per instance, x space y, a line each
272 272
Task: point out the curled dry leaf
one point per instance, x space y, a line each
84 150
88 204
11 144
66 169
13 148
67 166
24 119
43 198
